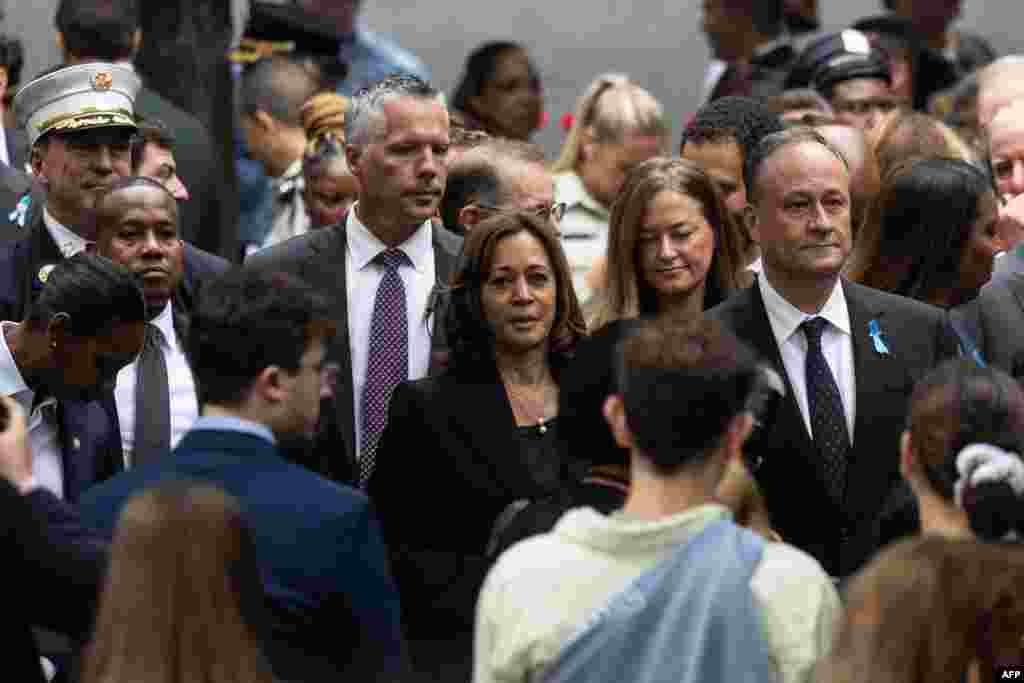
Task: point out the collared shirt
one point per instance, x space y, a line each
43 431
181 385
370 57
4 156
364 277
233 423
836 344
68 242
584 228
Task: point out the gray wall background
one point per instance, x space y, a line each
657 42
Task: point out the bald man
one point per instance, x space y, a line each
865 182
999 84
1006 148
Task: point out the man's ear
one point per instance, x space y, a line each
61 45
470 215
737 433
264 121
354 157
615 415
136 40
587 144
58 330
271 385
36 161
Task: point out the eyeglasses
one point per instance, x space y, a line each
551 212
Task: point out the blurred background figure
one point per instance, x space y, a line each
1006 149
937 234
271 96
891 37
182 599
616 126
908 135
152 156
750 46
999 84
800 105
484 431
850 74
14 144
369 56
865 179
329 188
954 607
942 54
500 92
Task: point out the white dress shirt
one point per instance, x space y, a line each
836 344
584 229
68 242
43 432
181 386
364 277
4 156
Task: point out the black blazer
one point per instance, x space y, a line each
447 466
65 570
319 257
996 317
768 73
918 338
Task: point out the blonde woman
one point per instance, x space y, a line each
617 125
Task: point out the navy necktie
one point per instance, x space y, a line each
387 359
825 404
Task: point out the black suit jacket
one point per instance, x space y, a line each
448 465
918 337
54 577
319 257
768 73
996 317
205 220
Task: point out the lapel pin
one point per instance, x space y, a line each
20 213
44 273
75 443
875 332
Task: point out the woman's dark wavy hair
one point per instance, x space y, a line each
924 212
958 404
470 337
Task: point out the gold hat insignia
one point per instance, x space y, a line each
102 81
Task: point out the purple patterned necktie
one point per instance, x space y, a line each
388 357
828 419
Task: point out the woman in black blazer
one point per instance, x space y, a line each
462 446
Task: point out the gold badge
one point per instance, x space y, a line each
102 80
44 273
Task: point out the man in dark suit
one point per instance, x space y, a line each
850 355
109 31
80 144
15 147
386 254
86 325
257 344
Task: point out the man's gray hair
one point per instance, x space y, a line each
770 144
370 101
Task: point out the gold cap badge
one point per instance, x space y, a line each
102 81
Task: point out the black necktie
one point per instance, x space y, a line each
152 400
828 419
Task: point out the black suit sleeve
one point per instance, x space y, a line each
55 562
947 342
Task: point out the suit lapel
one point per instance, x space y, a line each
42 256
78 447
444 266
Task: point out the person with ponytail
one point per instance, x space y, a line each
961 457
617 126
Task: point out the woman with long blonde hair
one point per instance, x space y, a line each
617 125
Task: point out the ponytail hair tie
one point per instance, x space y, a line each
980 463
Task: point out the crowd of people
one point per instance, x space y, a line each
740 406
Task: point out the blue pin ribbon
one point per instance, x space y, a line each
875 332
20 212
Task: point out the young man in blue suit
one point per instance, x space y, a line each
257 345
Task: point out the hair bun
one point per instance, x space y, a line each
991 491
325 113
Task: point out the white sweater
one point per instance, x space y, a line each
543 588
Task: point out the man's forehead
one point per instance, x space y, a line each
141 196
1008 125
115 135
403 114
800 161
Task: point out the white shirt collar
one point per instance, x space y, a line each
569 189
68 242
365 246
164 322
3 147
786 318
12 383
